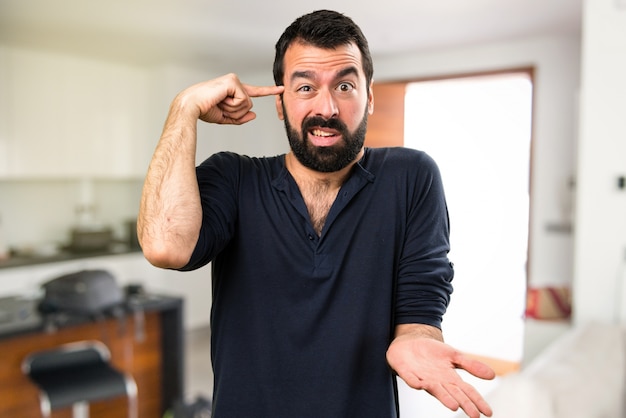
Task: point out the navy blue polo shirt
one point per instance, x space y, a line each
301 323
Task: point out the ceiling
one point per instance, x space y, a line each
240 34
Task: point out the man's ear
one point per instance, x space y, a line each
370 98
279 106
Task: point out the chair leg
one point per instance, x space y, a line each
44 405
131 392
80 410
132 407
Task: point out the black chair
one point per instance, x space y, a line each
76 374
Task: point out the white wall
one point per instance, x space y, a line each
262 137
601 208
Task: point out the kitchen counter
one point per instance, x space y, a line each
30 260
21 315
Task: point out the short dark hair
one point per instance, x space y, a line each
323 29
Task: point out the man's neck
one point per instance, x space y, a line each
318 189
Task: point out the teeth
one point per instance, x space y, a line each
318 132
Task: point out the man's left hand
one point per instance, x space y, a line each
423 361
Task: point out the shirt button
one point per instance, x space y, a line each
311 237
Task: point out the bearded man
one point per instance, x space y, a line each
330 268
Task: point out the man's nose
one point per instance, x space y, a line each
326 104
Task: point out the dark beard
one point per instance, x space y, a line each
326 159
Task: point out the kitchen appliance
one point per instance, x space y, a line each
89 292
91 239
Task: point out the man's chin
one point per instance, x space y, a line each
326 160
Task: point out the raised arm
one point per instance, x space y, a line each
170 214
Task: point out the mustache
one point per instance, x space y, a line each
318 121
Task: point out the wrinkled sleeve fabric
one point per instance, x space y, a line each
218 183
425 273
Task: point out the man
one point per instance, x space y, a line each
330 268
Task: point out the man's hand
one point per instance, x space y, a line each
423 361
170 213
224 100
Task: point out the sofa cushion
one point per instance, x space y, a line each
580 375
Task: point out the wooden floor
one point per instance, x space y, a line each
198 371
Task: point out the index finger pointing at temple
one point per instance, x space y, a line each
256 91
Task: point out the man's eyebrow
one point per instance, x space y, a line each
348 71
309 75
302 74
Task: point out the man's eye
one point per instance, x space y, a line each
345 87
305 89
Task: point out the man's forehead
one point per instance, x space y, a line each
306 60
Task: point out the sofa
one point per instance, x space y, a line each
579 375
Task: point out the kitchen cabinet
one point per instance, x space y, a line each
150 349
72 117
